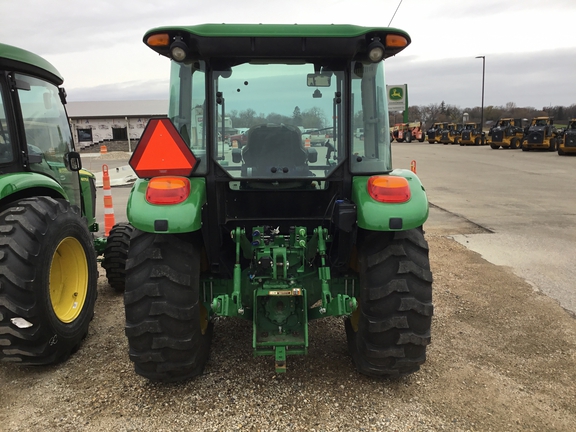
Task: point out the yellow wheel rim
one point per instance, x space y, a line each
68 280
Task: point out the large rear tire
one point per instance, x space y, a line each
116 253
388 333
168 330
48 281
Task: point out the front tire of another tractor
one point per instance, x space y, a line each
514 143
167 325
116 253
388 333
552 147
48 281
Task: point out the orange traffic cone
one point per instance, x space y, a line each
307 142
103 149
108 207
413 166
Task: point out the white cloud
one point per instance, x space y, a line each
529 46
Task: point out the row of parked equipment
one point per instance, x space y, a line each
508 133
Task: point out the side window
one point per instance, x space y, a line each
45 121
370 129
6 154
48 135
186 110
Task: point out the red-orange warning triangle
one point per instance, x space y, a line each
161 151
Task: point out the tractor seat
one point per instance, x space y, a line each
274 151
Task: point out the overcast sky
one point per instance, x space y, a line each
529 45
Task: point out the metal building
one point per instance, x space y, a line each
95 122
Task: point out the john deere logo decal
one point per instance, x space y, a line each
396 93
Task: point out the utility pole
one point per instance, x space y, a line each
482 108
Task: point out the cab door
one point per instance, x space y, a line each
48 139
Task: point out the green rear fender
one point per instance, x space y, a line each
19 183
88 187
376 216
176 218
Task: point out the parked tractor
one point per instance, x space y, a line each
408 131
472 135
567 143
434 134
275 233
48 267
507 133
541 134
451 134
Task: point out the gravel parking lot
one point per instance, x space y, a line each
503 357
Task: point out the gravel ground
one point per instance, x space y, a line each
503 357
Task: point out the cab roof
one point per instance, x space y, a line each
19 59
277 40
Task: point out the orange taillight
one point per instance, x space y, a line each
167 190
389 189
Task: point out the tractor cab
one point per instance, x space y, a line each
543 125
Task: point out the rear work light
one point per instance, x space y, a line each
167 190
389 189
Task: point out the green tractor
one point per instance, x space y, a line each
275 232
48 265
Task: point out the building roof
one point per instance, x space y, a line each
131 108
